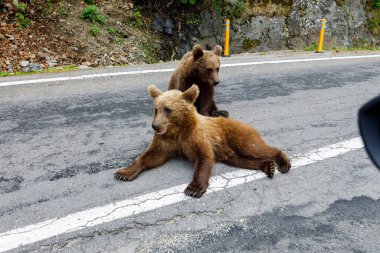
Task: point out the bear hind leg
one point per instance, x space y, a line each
265 152
266 166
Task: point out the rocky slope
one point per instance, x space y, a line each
44 34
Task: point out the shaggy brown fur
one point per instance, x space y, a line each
201 68
181 131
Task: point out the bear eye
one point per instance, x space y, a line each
217 70
167 110
209 70
155 110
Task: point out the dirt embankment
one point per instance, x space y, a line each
42 34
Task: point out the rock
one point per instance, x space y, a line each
83 67
123 60
86 63
2 36
166 26
158 24
169 26
9 36
131 56
52 62
35 66
124 33
24 64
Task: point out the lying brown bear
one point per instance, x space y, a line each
180 130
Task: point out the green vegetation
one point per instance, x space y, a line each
311 48
137 16
62 11
355 48
94 30
21 7
21 19
91 13
374 17
193 22
249 44
192 2
112 30
150 50
51 70
231 9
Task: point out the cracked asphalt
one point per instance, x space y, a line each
62 141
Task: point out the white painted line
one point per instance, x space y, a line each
138 72
122 209
302 60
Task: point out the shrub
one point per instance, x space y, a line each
376 3
137 16
94 30
91 13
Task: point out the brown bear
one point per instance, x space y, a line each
181 131
201 68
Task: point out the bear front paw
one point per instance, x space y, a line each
196 189
269 167
126 174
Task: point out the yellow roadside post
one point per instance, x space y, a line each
321 36
227 39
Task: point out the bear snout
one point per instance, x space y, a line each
216 82
155 127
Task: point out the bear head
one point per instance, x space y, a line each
174 111
206 64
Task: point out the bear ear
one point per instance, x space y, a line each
218 50
197 52
191 94
154 91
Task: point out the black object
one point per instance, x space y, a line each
369 125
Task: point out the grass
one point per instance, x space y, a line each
312 47
362 48
52 70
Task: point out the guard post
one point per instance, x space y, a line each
227 39
321 36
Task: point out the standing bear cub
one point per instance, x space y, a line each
181 131
201 68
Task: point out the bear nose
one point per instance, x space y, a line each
155 127
216 83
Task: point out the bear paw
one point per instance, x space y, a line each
284 165
195 189
269 168
220 113
126 174
223 113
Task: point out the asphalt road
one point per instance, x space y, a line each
62 140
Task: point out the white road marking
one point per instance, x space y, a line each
122 209
137 72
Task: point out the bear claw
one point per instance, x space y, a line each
223 113
269 168
194 194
